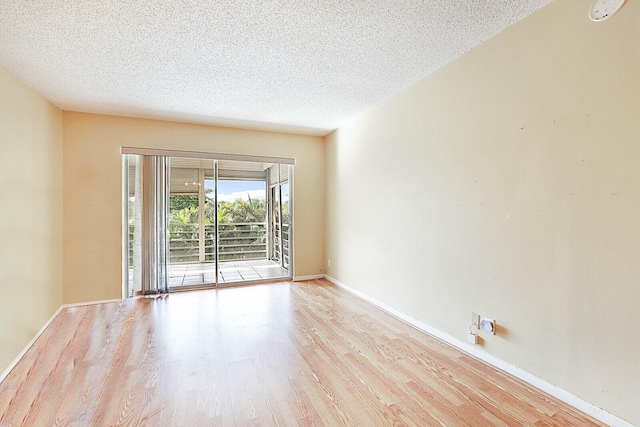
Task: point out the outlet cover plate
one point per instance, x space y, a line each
475 322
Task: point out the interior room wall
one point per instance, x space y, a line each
93 191
508 183
31 136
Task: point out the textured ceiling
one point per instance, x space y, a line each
299 66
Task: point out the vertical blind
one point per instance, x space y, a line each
148 239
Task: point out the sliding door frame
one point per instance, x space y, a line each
145 153
207 155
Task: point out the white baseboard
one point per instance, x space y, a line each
312 277
539 383
28 346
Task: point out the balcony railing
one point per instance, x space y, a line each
278 252
238 241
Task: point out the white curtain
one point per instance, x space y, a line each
148 190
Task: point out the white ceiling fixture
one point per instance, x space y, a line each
296 66
604 9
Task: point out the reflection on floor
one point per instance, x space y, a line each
230 271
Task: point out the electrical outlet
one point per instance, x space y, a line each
472 337
329 262
475 323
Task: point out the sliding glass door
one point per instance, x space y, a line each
197 222
192 234
279 217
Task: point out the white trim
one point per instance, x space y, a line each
206 155
81 304
539 383
28 346
303 278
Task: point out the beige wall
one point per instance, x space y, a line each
508 183
30 215
92 191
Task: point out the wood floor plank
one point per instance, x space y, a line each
281 354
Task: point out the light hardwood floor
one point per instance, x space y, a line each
283 354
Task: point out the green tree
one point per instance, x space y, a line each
181 201
252 210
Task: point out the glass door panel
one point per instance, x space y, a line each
242 221
286 225
191 223
132 165
275 234
280 215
